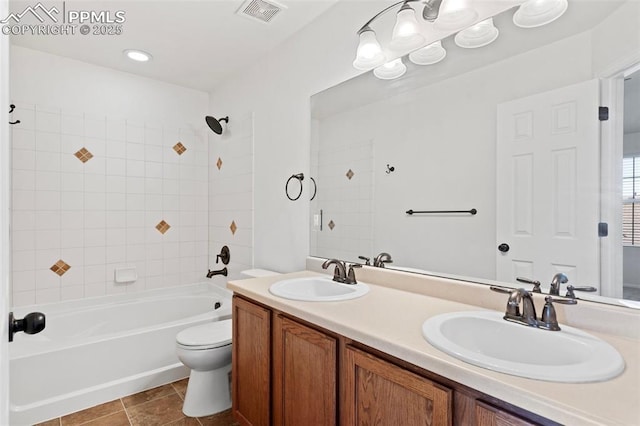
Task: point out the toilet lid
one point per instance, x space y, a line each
210 335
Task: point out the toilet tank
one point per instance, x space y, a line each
257 273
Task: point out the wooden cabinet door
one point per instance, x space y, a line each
251 363
304 375
379 393
486 415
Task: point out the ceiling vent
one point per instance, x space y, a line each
260 10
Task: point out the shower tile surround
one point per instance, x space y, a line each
92 193
231 194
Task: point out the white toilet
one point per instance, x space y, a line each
206 350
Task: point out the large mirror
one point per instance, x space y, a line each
510 130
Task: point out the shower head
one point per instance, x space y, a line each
214 124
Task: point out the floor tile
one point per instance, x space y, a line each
224 418
117 419
181 387
185 421
92 413
157 412
148 395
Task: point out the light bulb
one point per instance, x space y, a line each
478 35
406 35
536 13
454 15
369 54
428 55
390 70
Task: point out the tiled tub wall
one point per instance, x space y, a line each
231 195
94 193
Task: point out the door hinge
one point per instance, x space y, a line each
603 229
603 113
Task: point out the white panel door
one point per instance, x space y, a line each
548 185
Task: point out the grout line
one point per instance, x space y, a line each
126 412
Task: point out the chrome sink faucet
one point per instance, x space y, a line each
340 274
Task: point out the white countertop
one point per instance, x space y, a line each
389 319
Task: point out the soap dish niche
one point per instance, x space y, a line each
125 275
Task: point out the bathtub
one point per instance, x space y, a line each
96 350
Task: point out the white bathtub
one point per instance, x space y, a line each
96 350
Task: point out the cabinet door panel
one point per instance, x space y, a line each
380 393
486 415
251 363
304 389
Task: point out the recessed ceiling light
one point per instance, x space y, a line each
137 55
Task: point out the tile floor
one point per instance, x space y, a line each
158 406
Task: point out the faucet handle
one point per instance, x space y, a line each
351 275
366 260
535 283
499 289
571 289
548 319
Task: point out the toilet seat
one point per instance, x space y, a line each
206 336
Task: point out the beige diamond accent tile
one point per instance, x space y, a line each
331 225
219 163
350 174
233 227
60 267
84 155
179 148
162 227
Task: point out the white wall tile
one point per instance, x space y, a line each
115 129
116 149
23 139
23 281
72 181
95 126
51 295
48 142
47 181
23 160
23 180
135 151
134 133
72 124
72 238
72 200
95 237
116 184
24 260
48 122
23 240
23 220
47 279
48 220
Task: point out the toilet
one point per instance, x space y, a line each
206 350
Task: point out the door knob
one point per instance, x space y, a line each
504 247
32 323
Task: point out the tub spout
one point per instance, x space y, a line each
222 271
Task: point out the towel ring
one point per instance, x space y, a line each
315 188
300 178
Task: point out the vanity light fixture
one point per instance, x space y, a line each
444 16
137 55
478 35
536 13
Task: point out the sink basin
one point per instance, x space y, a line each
317 289
485 339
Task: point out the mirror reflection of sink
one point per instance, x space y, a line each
485 339
317 289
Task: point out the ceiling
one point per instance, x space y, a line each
632 103
195 44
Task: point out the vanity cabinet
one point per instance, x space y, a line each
251 359
487 415
304 374
289 372
380 393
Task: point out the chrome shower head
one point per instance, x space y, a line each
214 124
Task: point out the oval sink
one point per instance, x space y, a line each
485 339
317 289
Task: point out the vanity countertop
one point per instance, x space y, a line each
389 319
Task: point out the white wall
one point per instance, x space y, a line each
277 90
631 144
102 214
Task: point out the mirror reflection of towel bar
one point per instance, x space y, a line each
412 212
